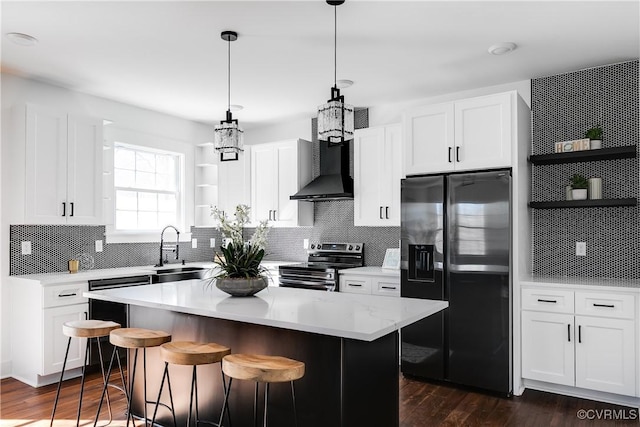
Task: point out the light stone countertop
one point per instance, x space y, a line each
47 279
371 271
582 283
360 317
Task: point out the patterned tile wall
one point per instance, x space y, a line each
563 107
54 245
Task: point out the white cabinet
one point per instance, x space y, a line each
63 182
591 345
377 173
206 183
233 183
279 170
38 344
371 281
468 134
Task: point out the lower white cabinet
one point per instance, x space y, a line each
371 281
38 344
561 345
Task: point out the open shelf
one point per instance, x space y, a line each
599 203
625 152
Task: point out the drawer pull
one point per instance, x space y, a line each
389 287
354 284
67 295
569 332
604 305
552 301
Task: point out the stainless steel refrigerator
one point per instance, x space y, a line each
456 246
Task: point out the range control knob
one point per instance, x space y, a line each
358 248
319 246
313 246
350 247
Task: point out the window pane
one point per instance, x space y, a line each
166 218
148 202
126 220
146 180
124 159
126 200
124 178
166 182
145 161
167 203
148 220
166 164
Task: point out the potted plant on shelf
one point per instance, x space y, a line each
595 137
238 270
579 185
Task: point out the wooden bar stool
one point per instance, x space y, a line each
261 369
134 338
85 329
190 353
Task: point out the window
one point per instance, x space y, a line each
147 186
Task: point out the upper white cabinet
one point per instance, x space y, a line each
377 171
279 170
63 183
233 183
468 134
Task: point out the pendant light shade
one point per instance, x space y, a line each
335 118
228 136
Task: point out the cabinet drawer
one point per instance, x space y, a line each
387 287
355 285
67 294
551 300
605 305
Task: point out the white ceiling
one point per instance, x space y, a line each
169 57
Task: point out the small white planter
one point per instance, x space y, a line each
579 194
595 144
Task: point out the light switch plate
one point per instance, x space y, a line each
26 247
99 246
581 248
194 243
212 242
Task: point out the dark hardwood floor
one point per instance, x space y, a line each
421 404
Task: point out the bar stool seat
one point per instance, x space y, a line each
135 339
84 329
194 354
262 369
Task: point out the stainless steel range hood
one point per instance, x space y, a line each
334 182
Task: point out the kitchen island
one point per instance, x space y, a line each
348 342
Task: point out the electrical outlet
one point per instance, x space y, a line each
226 241
305 243
194 243
581 248
26 247
98 245
212 242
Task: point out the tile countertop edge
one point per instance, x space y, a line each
583 283
159 296
62 277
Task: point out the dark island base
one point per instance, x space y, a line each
347 383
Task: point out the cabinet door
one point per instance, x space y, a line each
286 210
46 166
368 170
355 284
392 174
264 181
233 183
605 355
548 347
483 132
54 343
84 175
429 139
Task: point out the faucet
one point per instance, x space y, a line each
169 248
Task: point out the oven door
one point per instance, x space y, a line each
307 278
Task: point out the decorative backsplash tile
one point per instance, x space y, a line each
563 107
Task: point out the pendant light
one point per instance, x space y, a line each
335 118
228 139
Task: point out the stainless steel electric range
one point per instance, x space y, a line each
321 269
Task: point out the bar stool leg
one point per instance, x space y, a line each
133 377
165 374
226 399
84 368
295 412
104 389
173 412
105 379
255 407
144 372
64 364
224 389
266 398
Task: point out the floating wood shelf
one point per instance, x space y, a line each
625 152
599 203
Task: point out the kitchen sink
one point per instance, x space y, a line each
175 274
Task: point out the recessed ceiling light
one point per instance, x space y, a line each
344 83
236 107
22 39
502 48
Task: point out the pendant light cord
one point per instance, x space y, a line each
229 75
335 46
